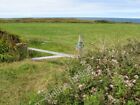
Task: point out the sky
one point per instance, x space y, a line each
70 8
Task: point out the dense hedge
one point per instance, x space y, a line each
11 47
47 20
107 77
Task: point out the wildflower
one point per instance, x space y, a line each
111 98
125 85
97 59
81 86
89 67
83 62
115 61
136 65
101 81
128 83
134 81
98 67
75 78
124 52
126 77
93 73
99 72
65 86
40 91
111 86
76 96
106 88
136 76
92 57
106 93
49 100
112 56
84 96
54 102
93 90
115 73
113 51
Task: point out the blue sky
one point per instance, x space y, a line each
70 8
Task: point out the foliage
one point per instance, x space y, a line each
10 49
3 47
47 20
103 21
106 77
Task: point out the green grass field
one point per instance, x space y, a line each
20 81
63 37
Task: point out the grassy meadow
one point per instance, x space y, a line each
63 37
21 81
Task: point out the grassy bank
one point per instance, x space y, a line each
11 47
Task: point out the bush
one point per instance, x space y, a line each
110 77
3 47
11 48
103 21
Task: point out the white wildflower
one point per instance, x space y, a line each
93 90
81 86
134 81
126 77
130 84
136 65
92 57
111 98
89 67
136 76
101 81
40 91
83 62
115 61
124 52
127 81
99 72
84 96
65 86
93 73
111 86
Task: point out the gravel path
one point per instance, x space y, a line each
56 54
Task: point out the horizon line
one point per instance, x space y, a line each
67 17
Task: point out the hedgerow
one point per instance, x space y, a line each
11 47
107 77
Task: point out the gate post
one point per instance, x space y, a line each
79 47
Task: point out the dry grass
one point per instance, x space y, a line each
20 81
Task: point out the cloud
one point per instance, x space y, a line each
68 8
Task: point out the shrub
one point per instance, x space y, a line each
10 48
3 47
103 21
110 77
